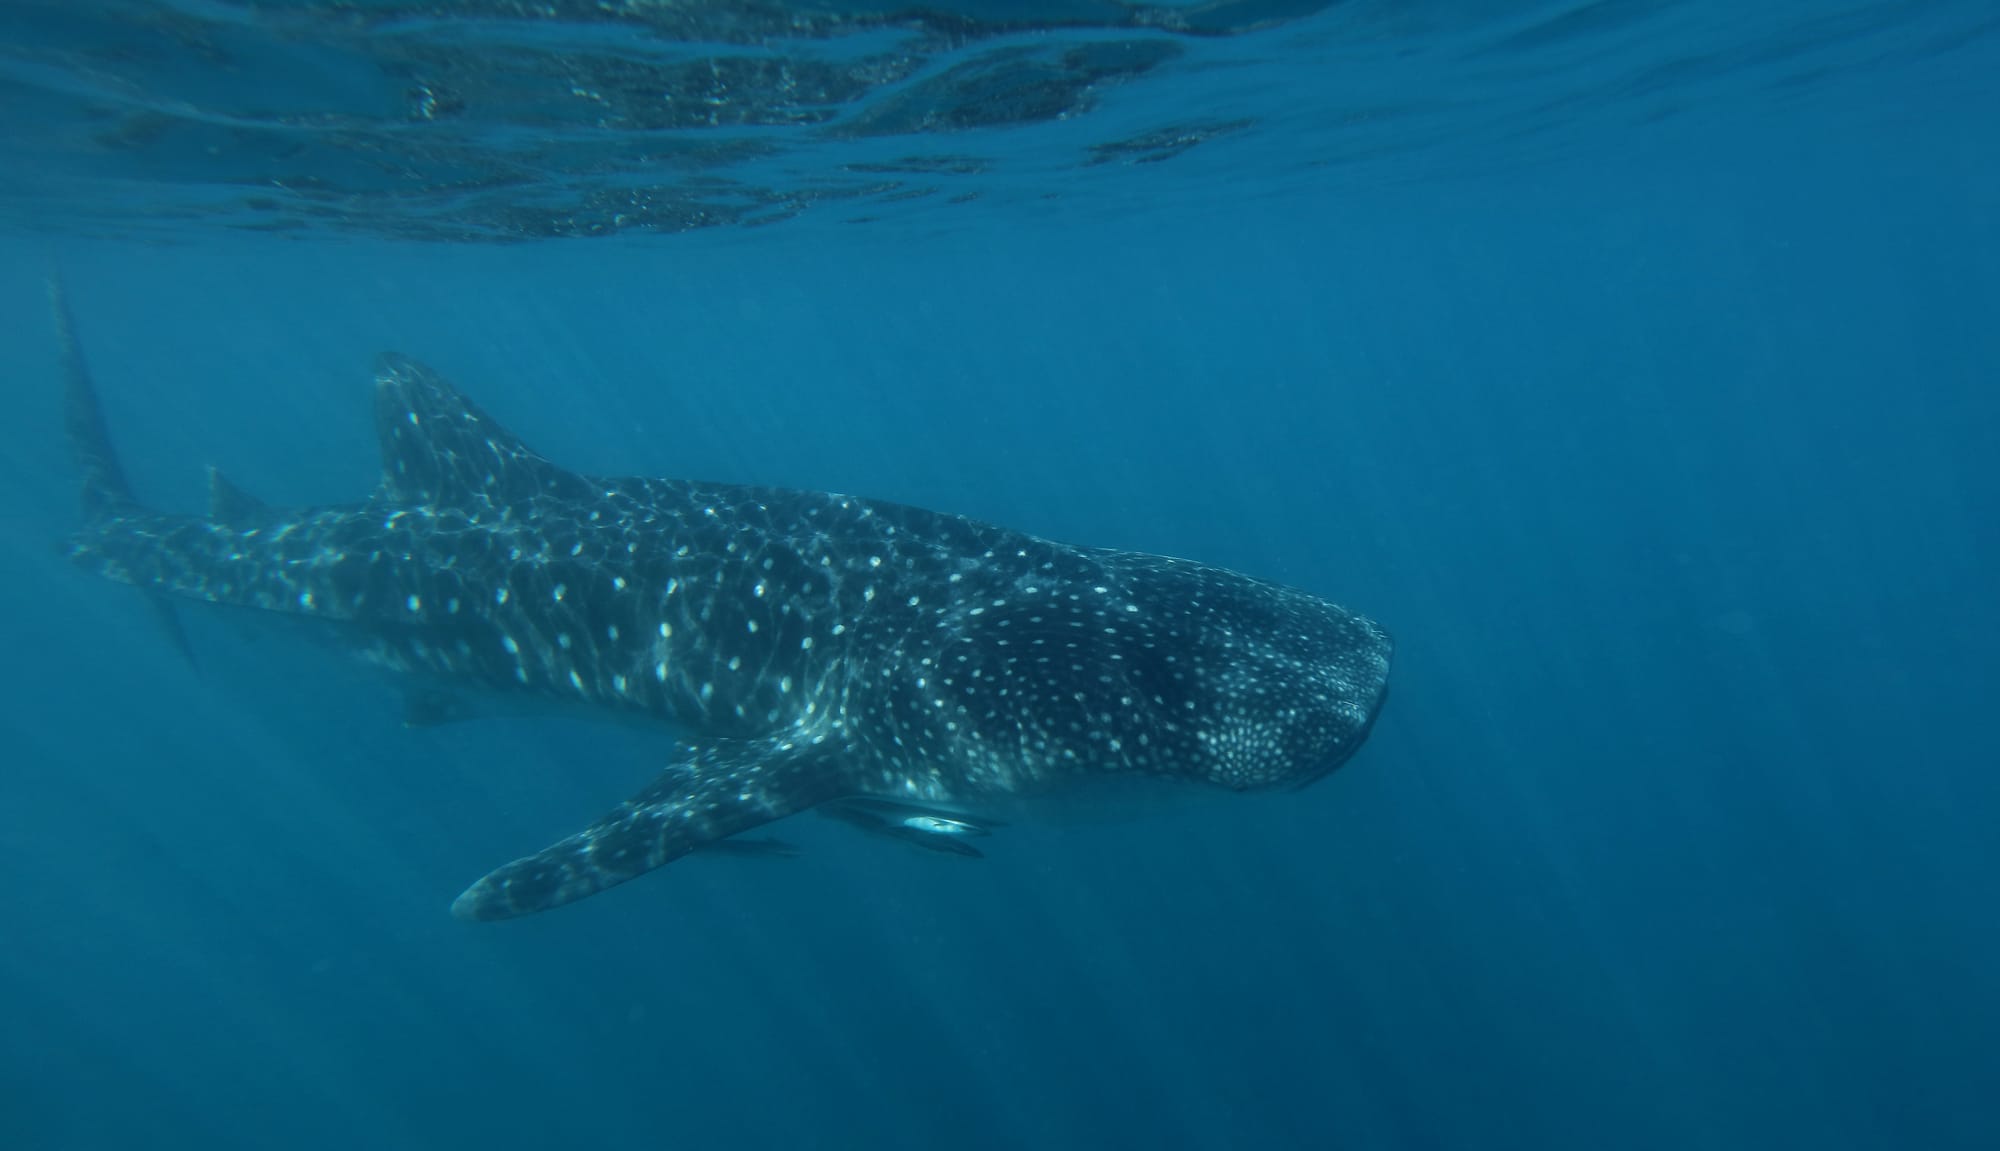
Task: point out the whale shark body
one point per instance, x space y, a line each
806 648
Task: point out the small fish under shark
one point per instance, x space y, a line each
896 667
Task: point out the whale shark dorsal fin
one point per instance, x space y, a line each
723 788
230 505
439 448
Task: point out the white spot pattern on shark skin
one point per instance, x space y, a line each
908 651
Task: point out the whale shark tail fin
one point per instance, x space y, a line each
105 488
710 793
107 494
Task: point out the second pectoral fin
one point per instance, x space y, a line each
711 792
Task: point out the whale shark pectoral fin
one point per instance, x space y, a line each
712 792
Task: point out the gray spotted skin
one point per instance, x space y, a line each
809 646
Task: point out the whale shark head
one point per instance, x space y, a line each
1274 687
1285 719
1146 666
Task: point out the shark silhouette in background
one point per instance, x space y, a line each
904 668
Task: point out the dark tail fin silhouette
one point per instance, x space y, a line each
106 491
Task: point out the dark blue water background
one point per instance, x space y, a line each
1668 456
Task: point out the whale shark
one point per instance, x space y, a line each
896 667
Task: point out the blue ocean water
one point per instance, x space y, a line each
1634 363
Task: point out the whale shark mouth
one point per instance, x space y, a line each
1353 744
